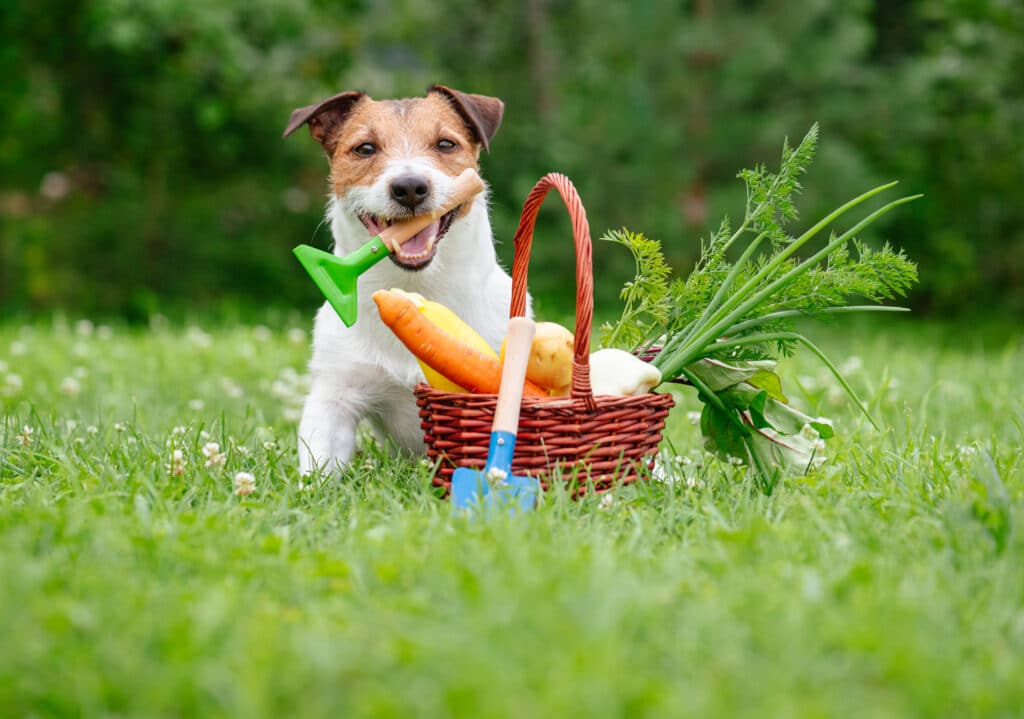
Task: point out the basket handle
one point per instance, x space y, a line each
581 388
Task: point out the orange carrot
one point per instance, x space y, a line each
464 365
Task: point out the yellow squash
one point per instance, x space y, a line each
451 323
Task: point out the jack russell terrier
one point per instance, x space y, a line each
389 160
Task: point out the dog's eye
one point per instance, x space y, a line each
445 145
365 150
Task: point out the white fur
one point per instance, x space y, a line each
363 371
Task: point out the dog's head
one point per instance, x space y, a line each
393 159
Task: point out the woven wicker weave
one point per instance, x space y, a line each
608 438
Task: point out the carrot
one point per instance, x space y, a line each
464 365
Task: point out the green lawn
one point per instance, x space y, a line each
888 583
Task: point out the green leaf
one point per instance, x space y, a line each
721 435
757 411
770 383
718 375
647 296
824 429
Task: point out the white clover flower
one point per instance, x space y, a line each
245 484
70 386
92 429
261 333
120 426
12 384
607 500
19 348
25 438
214 457
104 332
178 462
808 382
84 328
198 337
735 461
231 388
809 433
270 445
292 414
242 450
204 434
496 475
196 405
179 430
70 425
893 388
296 335
852 365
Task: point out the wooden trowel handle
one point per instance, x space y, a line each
513 374
464 187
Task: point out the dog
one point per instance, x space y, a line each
389 160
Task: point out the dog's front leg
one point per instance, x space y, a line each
327 431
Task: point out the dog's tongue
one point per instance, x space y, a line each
418 246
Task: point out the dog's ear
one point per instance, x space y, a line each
324 118
481 113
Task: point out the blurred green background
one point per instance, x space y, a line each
142 168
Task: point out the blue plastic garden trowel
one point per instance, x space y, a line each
337 276
496 486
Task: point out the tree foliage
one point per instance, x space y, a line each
142 162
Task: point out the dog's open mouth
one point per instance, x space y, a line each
416 252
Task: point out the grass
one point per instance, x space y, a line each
888 583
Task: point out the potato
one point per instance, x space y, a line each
550 363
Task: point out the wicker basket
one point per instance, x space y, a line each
607 438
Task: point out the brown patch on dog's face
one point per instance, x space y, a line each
376 133
392 159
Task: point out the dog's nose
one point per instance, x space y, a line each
410 190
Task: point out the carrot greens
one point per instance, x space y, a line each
722 328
